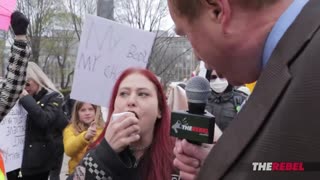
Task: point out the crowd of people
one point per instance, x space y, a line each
240 42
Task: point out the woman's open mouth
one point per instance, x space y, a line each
135 114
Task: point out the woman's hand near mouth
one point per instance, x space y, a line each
122 132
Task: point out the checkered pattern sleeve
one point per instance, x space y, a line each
13 83
103 163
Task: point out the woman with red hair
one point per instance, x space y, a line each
136 145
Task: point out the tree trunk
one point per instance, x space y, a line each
35 45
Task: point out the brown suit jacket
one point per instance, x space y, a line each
281 120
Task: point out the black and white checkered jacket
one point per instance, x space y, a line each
103 163
13 83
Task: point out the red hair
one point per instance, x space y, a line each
157 162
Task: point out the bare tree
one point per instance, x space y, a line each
40 13
55 32
142 14
51 36
59 47
149 15
171 59
78 10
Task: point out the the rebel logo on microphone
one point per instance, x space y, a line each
184 126
193 127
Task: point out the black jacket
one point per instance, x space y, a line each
225 106
104 163
44 113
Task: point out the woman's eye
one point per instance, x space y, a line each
122 94
143 94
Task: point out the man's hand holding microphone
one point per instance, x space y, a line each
189 158
194 130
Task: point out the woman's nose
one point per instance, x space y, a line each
132 101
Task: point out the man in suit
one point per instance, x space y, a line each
275 42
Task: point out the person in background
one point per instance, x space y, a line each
13 83
86 125
244 89
224 101
43 102
176 98
273 42
136 145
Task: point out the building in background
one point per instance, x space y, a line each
172 58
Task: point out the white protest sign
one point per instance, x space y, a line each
12 134
106 49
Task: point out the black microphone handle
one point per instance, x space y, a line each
196 108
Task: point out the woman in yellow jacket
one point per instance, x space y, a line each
86 125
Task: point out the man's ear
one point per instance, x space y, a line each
220 11
216 7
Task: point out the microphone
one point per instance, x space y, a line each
195 125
